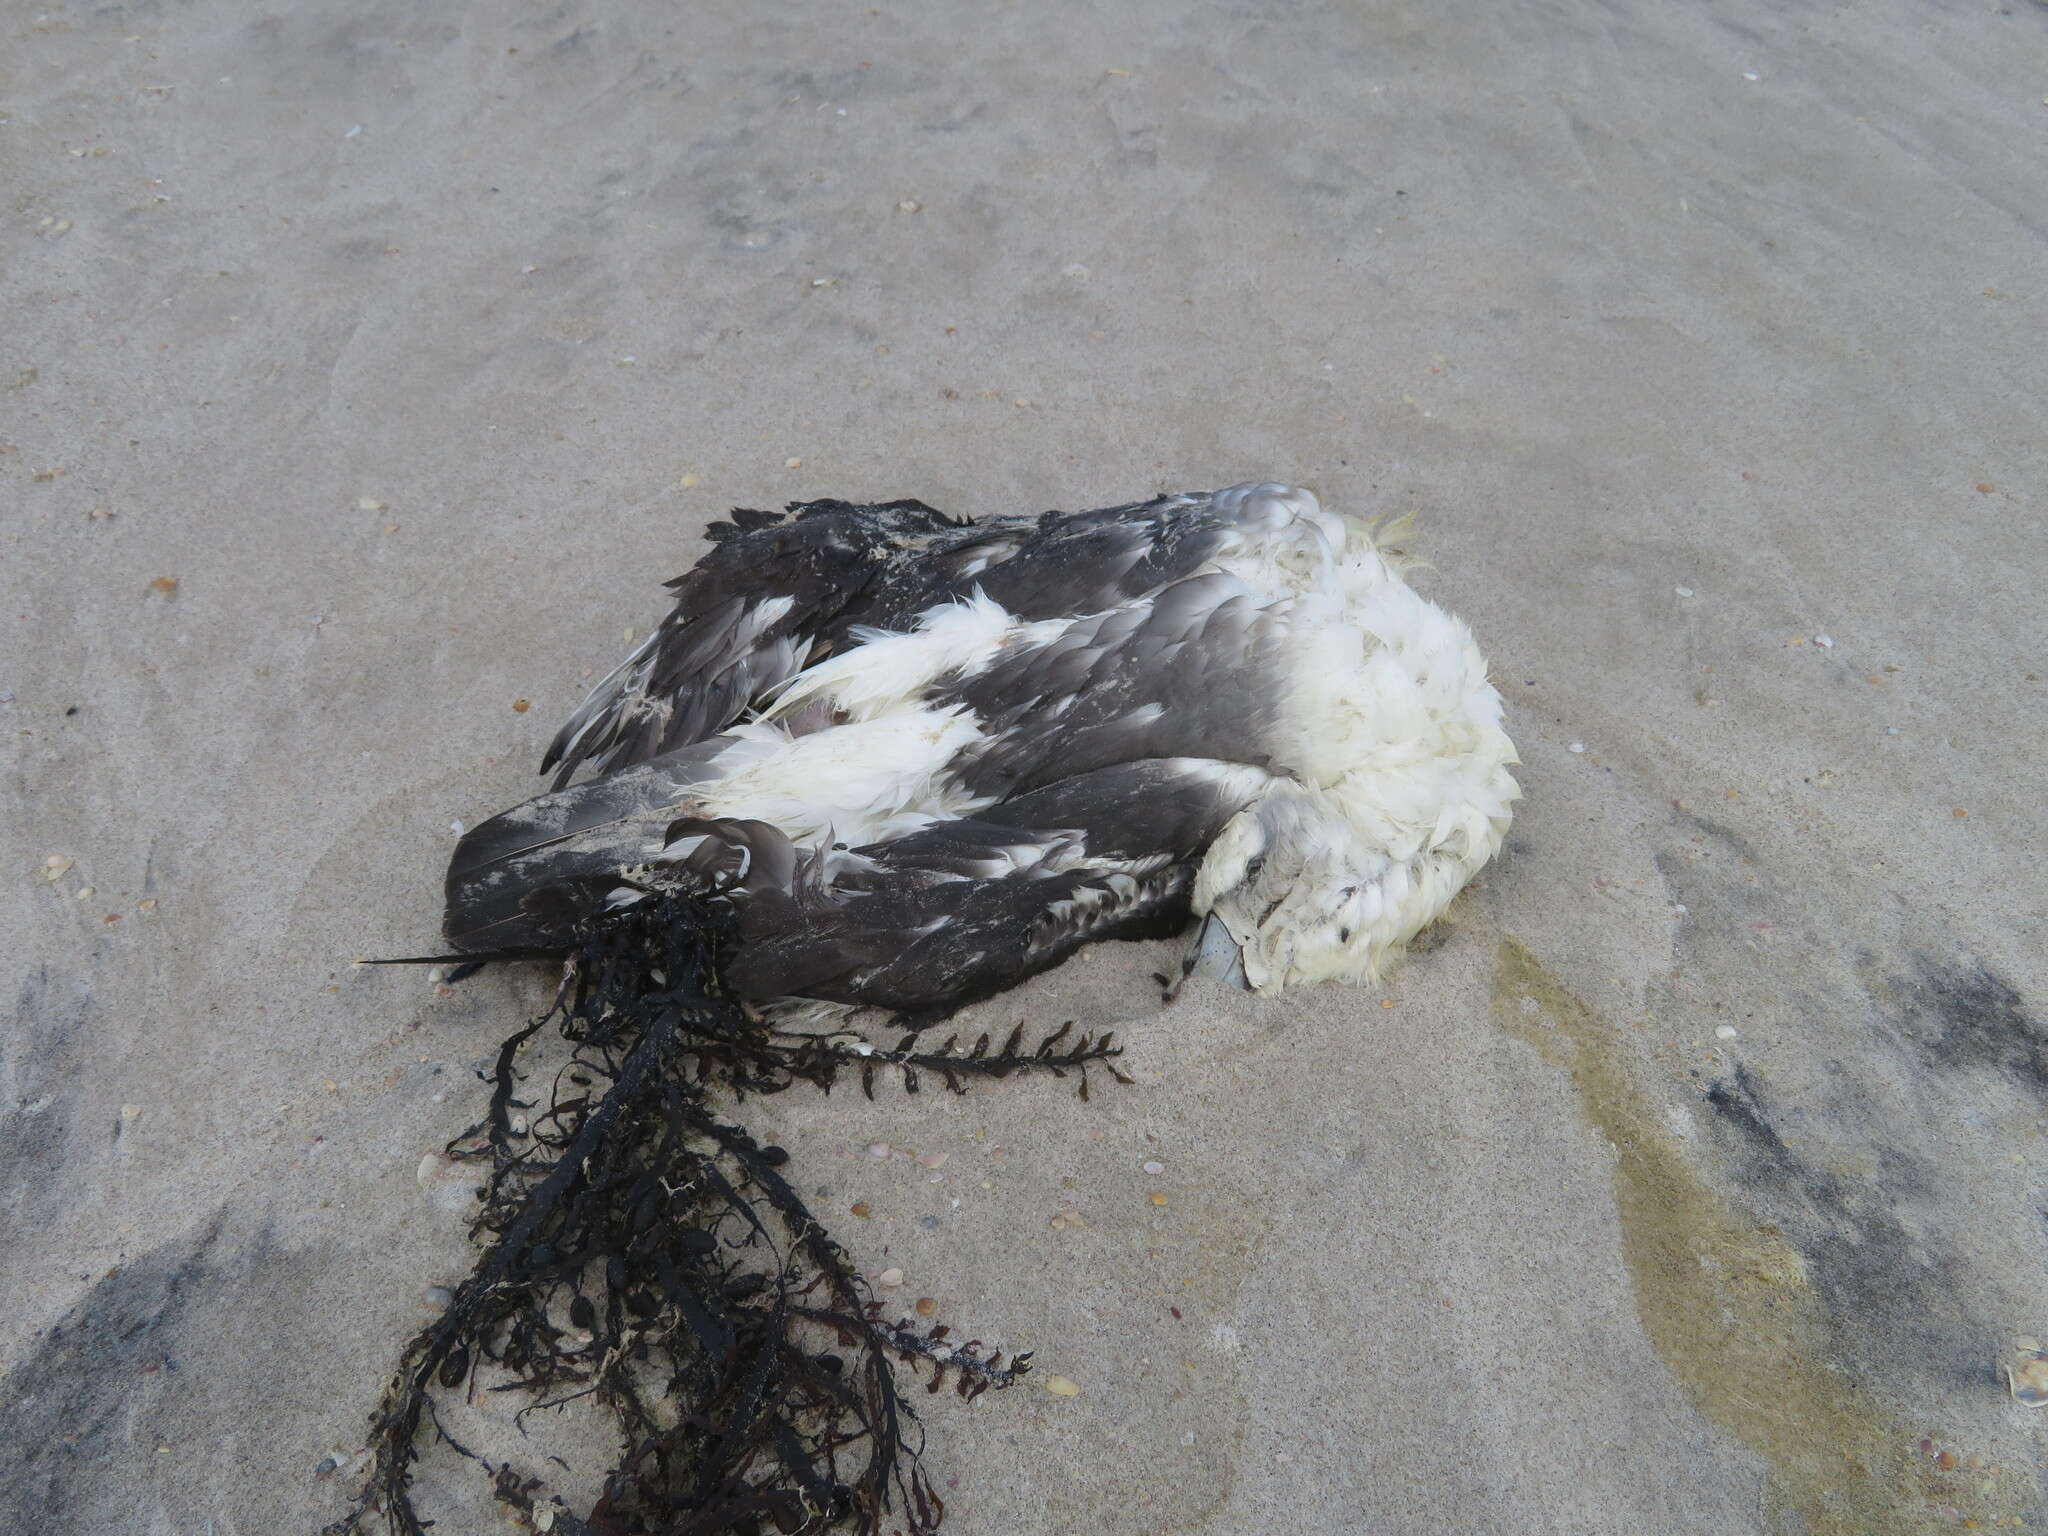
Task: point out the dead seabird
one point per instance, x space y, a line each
925 758
879 756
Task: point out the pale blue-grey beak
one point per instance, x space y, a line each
1215 956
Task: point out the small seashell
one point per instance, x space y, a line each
932 1159
879 1149
1683 591
2027 1378
889 1279
926 1306
1825 642
1155 1167
1158 1197
1724 1032
56 865
862 1209
910 205
1060 1386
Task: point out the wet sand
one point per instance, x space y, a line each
367 367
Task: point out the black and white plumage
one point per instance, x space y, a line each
927 758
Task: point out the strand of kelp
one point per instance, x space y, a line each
639 1248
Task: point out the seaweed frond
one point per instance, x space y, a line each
641 1250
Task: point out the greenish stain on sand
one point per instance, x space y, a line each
1727 1304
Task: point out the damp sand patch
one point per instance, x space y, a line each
1726 1303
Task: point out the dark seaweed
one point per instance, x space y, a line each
640 1249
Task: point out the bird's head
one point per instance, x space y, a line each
1297 897
1300 896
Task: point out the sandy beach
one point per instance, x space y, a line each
368 366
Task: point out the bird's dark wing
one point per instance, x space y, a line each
1083 562
921 924
779 590
1196 670
774 590
960 910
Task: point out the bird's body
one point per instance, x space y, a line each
925 759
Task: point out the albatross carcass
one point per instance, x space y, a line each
925 758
